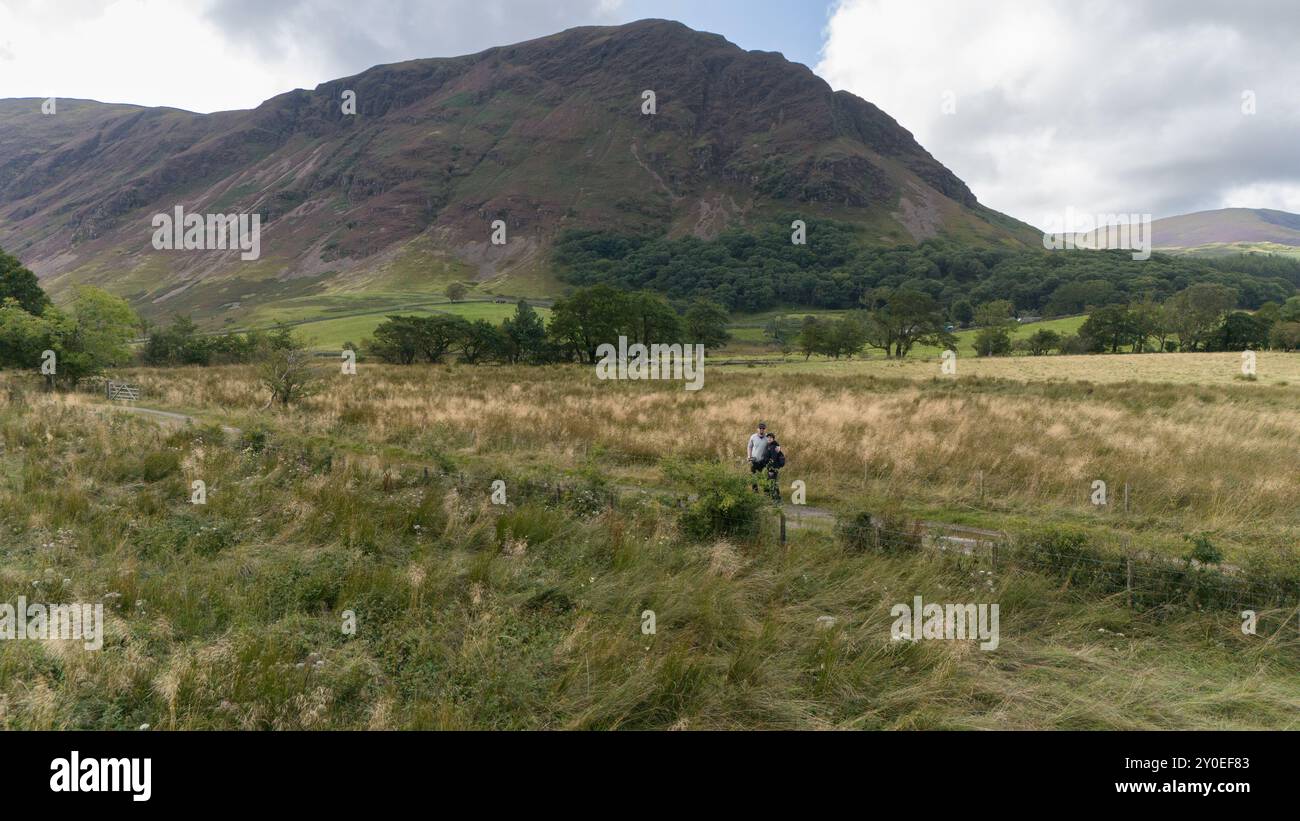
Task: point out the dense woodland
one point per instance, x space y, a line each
752 271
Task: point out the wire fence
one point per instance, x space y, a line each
1144 579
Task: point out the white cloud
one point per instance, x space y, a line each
211 55
1282 196
1103 106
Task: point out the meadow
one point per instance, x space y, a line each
372 497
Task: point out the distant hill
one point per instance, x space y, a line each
1228 231
389 205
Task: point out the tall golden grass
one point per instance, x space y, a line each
227 615
1215 456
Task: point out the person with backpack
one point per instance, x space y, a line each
775 460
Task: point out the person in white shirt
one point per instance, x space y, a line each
757 452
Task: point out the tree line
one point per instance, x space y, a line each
579 324
1202 317
94 331
757 269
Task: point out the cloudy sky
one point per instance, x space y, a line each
1102 106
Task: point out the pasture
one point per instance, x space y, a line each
373 498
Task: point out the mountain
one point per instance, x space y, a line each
1229 230
384 207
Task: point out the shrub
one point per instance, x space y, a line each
857 532
1067 554
254 440
1203 550
882 532
721 503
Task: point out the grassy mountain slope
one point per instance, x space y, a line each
392 203
1229 230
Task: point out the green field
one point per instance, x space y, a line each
330 334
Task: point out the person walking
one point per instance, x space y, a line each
757 453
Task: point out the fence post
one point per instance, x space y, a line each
782 514
1128 585
995 555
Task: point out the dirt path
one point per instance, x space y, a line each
168 417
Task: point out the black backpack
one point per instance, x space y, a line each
778 459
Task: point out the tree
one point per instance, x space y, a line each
846 337
706 324
784 334
105 325
1240 331
1042 341
178 344
651 319
524 336
95 335
1270 312
994 340
898 319
1148 321
481 339
456 291
403 339
1290 310
999 313
587 319
20 284
1195 312
438 334
1072 344
288 372
811 337
24 336
1285 336
756 268
395 340
962 313
1109 327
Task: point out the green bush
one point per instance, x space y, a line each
888 532
1068 554
1203 550
857 532
721 502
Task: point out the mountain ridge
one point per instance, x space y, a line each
1226 227
398 199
